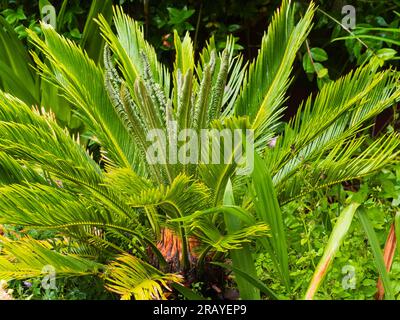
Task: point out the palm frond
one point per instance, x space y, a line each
336 115
26 258
55 151
82 83
210 235
131 277
14 171
50 207
183 197
342 163
268 78
216 175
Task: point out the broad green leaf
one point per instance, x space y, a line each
307 64
319 54
386 53
16 73
321 71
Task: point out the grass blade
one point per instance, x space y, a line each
336 238
397 229
252 280
371 37
92 41
377 251
388 255
16 74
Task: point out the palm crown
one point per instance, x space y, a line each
108 216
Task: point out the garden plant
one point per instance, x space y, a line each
88 204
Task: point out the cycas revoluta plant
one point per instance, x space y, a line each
146 227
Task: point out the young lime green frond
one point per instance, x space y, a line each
146 227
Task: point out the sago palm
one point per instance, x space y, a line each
146 227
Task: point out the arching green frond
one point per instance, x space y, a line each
335 115
14 171
126 181
343 163
184 196
55 151
184 59
133 278
29 258
14 110
268 78
55 208
82 82
210 235
216 174
127 44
